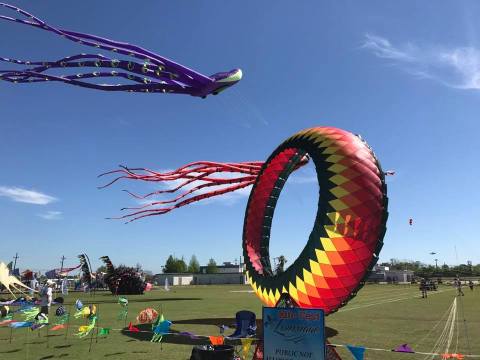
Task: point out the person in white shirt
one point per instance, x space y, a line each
33 285
46 300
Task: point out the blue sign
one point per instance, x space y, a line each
293 334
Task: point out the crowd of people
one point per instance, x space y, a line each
429 285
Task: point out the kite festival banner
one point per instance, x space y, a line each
293 334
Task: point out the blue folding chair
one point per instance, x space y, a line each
246 324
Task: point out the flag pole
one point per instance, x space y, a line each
95 318
98 320
68 323
47 336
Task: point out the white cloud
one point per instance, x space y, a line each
51 215
26 196
384 49
304 175
303 179
456 67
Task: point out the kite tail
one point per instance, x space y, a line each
145 77
151 79
196 181
157 73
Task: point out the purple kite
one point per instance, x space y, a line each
404 348
142 70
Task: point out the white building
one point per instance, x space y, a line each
200 279
384 274
226 268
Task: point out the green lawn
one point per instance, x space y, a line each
381 316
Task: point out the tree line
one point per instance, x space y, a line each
178 265
424 270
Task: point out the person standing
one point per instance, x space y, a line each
46 294
423 288
470 285
33 284
458 285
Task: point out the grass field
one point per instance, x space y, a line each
381 316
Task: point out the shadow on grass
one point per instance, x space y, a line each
145 333
62 346
115 300
114 354
10 351
230 322
167 339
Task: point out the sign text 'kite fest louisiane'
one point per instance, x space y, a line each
294 334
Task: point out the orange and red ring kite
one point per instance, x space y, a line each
349 227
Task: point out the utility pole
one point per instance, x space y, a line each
15 263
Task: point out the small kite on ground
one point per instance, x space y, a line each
147 316
160 328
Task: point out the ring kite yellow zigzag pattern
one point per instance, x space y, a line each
349 227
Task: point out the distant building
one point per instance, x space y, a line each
226 268
384 274
200 279
228 273
381 268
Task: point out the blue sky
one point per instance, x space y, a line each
405 75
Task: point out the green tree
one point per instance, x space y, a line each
170 265
280 268
175 265
102 269
193 265
476 270
181 265
445 270
212 267
462 270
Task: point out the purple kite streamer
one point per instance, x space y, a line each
144 70
189 334
404 348
38 326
